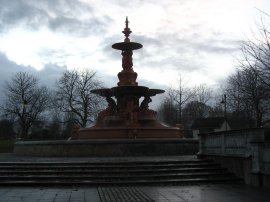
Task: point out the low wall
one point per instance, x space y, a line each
107 148
240 166
244 152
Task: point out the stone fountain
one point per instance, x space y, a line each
125 117
127 127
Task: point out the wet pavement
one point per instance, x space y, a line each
197 193
236 192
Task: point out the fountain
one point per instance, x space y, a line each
125 117
127 127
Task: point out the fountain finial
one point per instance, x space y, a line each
127 44
127 22
126 31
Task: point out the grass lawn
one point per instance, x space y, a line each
6 146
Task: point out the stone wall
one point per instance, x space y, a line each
244 152
106 148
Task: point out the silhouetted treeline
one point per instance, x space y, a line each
33 111
247 91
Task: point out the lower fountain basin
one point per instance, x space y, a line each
127 90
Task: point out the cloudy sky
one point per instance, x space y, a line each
198 39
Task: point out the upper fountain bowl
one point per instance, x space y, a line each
127 46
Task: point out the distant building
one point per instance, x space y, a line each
209 125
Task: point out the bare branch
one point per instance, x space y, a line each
74 95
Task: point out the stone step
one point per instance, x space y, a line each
112 172
134 179
100 171
108 167
114 176
127 182
108 163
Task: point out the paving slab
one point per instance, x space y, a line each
195 193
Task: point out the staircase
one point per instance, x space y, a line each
114 173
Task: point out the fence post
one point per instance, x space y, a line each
201 142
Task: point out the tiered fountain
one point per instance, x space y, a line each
125 117
127 127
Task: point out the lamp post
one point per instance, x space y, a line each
224 102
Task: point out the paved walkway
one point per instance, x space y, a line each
190 193
198 193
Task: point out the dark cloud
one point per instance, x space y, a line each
8 68
74 26
184 54
64 7
57 15
108 51
47 76
195 42
15 12
172 52
67 19
50 74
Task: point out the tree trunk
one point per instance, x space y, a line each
24 134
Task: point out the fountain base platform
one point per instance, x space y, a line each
128 133
107 147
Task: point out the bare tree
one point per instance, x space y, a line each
74 96
180 96
194 110
248 90
256 54
25 101
247 94
167 112
203 93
